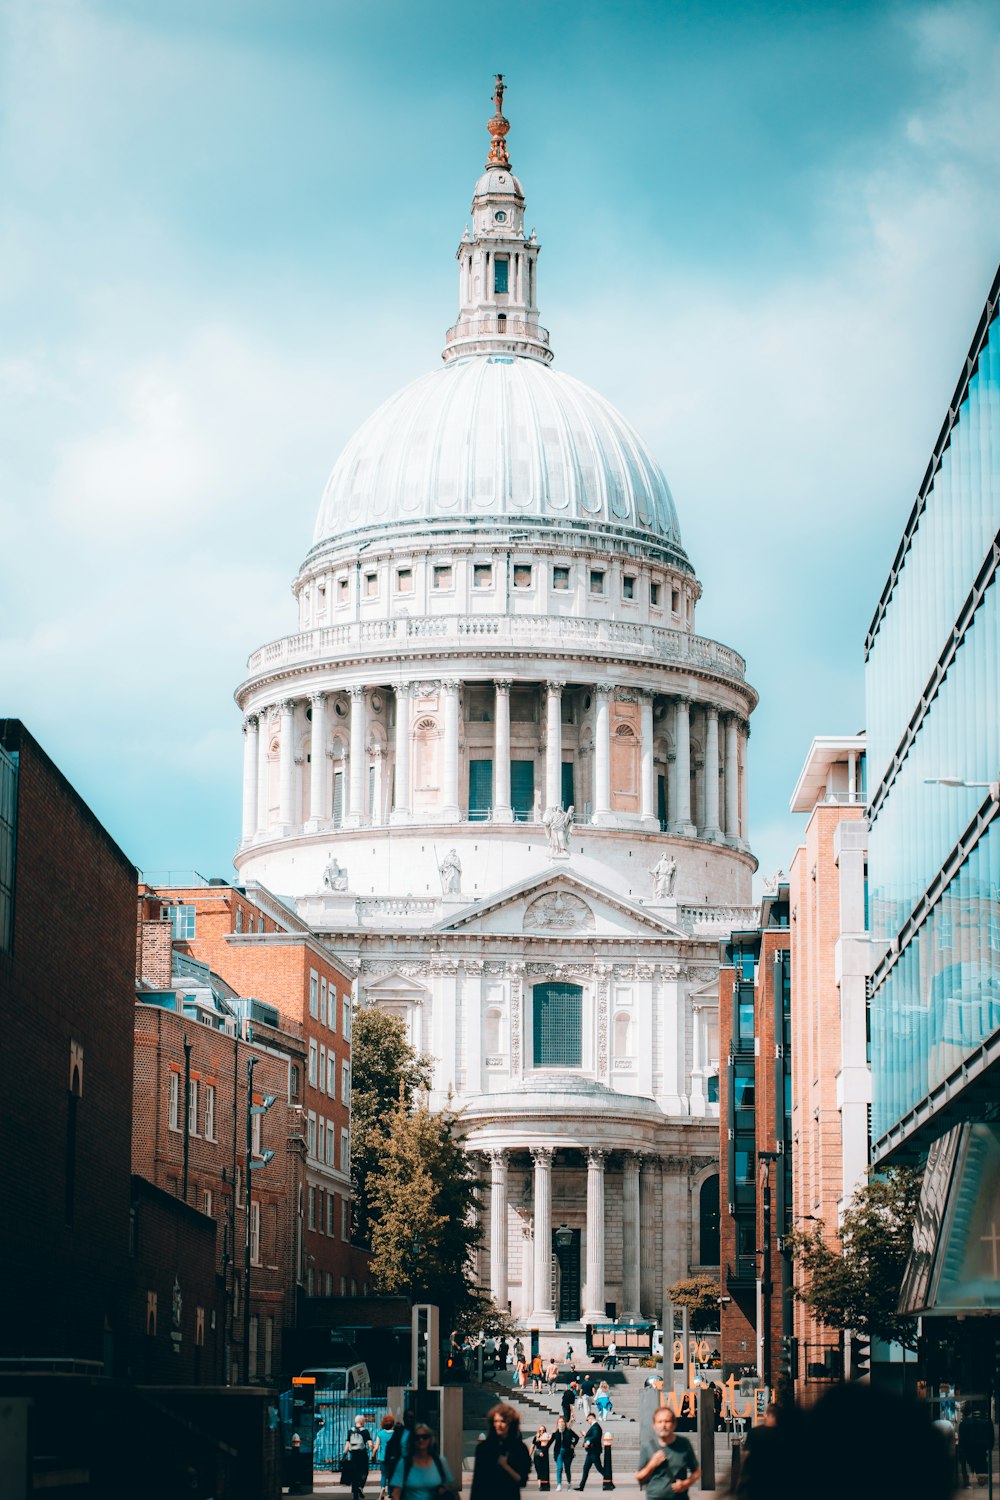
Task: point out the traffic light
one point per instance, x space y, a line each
861 1357
788 1364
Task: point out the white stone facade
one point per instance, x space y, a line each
497 768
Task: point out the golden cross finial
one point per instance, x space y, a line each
498 128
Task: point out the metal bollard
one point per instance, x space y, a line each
608 1482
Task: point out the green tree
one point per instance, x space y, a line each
700 1294
422 1200
384 1070
853 1280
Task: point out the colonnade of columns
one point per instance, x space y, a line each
723 749
639 1266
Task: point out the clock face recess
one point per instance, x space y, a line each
500 216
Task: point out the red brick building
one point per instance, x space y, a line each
177 1312
755 1122
189 1138
831 960
67 896
261 949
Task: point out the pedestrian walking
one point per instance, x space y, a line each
552 1373
536 1372
611 1357
603 1402
502 1462
568 1399
540 1457
357 1453
975 1441
521 1372
667 1465
424 1472
380 1451
503 1350
564 1441
593 1440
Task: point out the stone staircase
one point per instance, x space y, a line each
626 1387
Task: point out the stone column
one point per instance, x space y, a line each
676 1220
712 828
527 1273
401 811
602 755
732 778
251 776
594 1291
553 745
671 789
682 738
630 1236
648 1289
359 759
449 776
502 811
744 785
498 1227
263 785
542 1314
378 762
317 765
647 777
286 762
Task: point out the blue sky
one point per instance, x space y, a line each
227 231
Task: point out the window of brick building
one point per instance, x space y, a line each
182 922
210 1111
293 1083
331 1074
313 1062
345 1081
345 1153
174 1101
311 1221
313 993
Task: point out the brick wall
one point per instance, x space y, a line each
177 1308
68 983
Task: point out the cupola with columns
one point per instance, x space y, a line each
498 264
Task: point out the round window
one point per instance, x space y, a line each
500 216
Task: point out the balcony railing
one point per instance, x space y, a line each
545 633
477 328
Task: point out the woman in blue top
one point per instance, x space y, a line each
423 1472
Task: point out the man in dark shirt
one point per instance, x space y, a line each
667 1465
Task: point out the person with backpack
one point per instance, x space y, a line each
357 1452
424 1473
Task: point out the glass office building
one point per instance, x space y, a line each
933 727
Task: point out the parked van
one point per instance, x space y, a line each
343 1380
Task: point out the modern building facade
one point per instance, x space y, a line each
755 1139
933 666
496 768
830 959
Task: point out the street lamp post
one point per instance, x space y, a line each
767 1286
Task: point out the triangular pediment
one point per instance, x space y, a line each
559 903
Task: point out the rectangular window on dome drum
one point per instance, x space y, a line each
443 576
557 1028
560 578
501 267
480 790
522 575
522 789
597 580
482 575
628 587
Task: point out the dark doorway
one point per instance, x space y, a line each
522 789
566 1244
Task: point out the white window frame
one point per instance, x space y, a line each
174 1101
313 993
345 1081
331 1144
254 1232
210 1111
313 1061
345 1152
193 1108
331 1073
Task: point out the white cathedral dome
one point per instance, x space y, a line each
491 435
